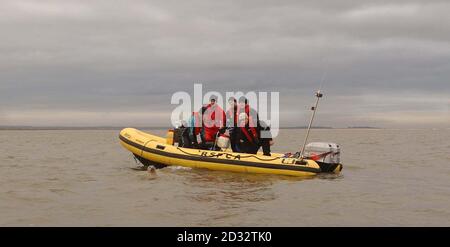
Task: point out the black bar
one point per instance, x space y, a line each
223 236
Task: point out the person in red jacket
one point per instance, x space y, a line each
231 123
213 119
231 113
244 107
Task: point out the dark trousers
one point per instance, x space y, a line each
234 140
248 148
266 146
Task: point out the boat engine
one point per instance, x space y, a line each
326 154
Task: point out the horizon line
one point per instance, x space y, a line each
53 127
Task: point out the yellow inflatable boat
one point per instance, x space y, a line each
153 150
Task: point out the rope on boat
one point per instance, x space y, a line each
247 156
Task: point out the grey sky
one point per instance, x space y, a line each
84 63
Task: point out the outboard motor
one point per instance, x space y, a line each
326 154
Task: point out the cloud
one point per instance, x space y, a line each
383 11
44 10
81 56
87 118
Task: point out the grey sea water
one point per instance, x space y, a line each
84 178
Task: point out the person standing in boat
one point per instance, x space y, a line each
247 136
213 120
231 123
195 136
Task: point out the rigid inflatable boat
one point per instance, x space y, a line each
156 151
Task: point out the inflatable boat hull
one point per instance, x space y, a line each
153 150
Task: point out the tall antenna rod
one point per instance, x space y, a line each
314 109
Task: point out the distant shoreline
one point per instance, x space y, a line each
145 128
72 128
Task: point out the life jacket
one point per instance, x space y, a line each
250 134
212 123
250 117
231 114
